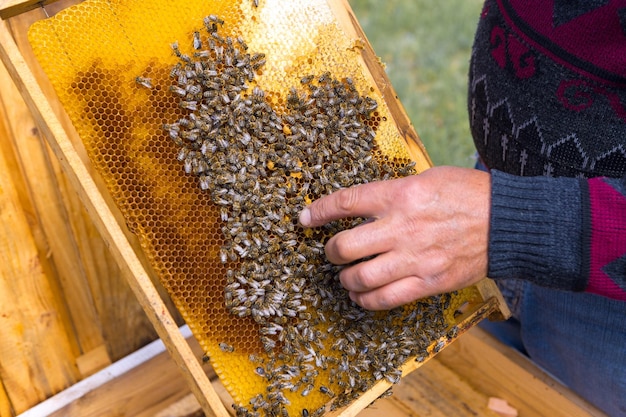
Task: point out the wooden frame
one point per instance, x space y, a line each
107 221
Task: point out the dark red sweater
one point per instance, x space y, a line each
547 104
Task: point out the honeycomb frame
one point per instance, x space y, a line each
186 178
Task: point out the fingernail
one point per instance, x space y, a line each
305 217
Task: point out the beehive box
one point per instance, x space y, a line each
290 61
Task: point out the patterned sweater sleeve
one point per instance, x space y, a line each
565 233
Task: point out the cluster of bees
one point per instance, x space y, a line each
262 167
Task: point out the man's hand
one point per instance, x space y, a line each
429 234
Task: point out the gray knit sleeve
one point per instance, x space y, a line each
536 230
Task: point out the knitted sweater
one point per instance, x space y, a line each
547 106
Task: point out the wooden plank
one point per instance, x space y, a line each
185 407
10 8
124 325
50 213
113 299
36 351
5 404
499 371
141 384
102 215
92 361
434 391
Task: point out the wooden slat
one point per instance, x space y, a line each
97 278
36 350
433 391
140 385
5 404
51 215
488 289
102 215
499 371
10 8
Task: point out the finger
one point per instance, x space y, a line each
375 273
365 200
395 294
367 239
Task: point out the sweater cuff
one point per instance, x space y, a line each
536 231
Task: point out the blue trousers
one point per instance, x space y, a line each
579 338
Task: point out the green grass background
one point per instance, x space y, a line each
426 46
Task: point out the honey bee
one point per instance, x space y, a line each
144 82
219 52
327 391
205 182
242 43
175 70
307 79
228 59
197 42
393 378
223 255
215 19
319 412
324 78
268 344
189 105
225 347
175 49
193 90
307 390
219 40
202 55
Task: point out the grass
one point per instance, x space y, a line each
426 46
